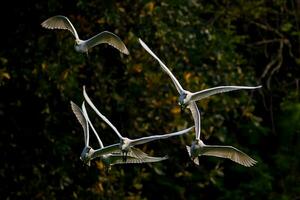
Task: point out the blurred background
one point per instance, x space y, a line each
205 44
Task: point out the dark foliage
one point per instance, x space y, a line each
205 44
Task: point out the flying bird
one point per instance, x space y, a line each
198 148
112 157
126 143
188 99
83 46
185 96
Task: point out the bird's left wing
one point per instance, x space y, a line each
92 126
215 90
229 152
144 140
108 38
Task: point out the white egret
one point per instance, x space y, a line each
109 156
188 99
83 46
126 143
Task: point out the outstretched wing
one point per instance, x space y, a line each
221 89
118 159
229 152
90 123
60 22
88 100
144 140
106 150
196 116
80 117
108 38
135 152
164 67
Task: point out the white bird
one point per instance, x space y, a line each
198 148
185 96
188 99
110 157
62 22
127 143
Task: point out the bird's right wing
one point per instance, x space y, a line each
108 38
90 123
82 120
135 152
60 22
229 152
144 140
164 67
118 159
88 100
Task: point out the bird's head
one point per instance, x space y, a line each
86 155
195 149
181 101
124 144
77 47
77 42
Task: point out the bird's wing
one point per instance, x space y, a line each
229 152
88 100
82 120
135 152
132 152
144 140
90 123
114 148
164 67
197 118
108 38
60 22
118 159
221 89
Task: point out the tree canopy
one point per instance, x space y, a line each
205 44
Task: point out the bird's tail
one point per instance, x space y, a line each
188 148
196 159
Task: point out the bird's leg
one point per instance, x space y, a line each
125 155
87 58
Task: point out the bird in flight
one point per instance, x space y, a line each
112 156
126 143
198 148
185 96
83 46
188 99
